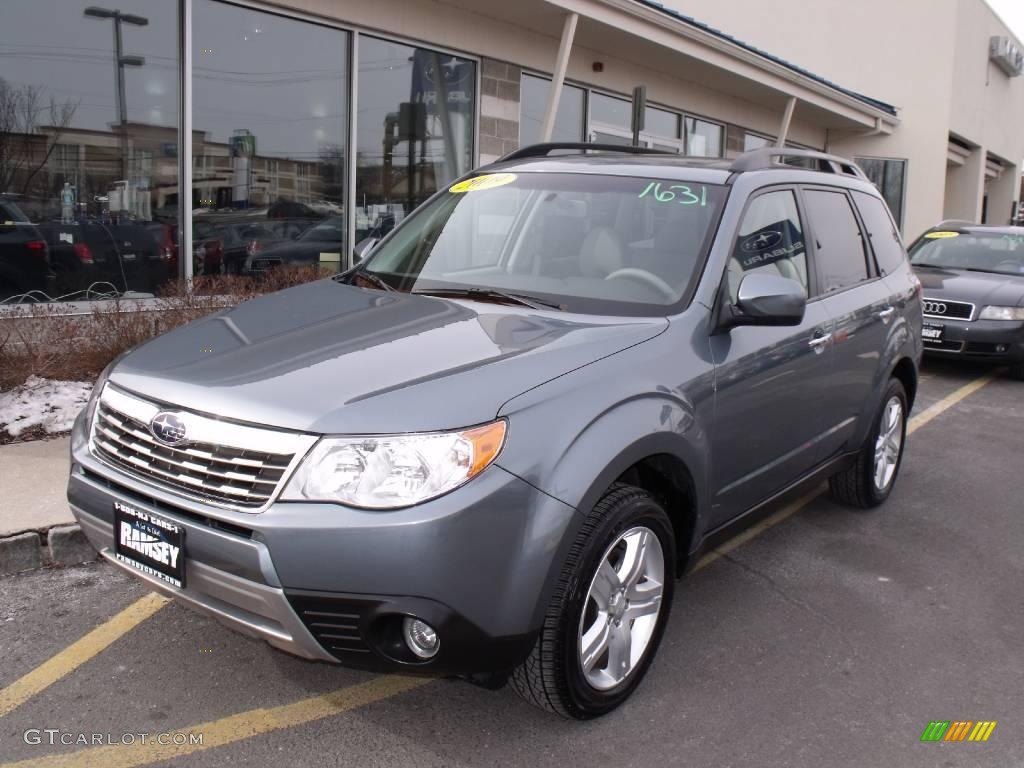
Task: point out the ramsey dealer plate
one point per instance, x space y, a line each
150 543
932 331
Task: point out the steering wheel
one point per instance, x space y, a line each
1010 264
642 275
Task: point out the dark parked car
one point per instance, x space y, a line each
490 449
24 255
321 243
973 278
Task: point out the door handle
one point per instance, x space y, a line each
818 342
886 313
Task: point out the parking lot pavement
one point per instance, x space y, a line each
830 639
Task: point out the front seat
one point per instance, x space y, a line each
600 253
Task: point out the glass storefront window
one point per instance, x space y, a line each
752 141
414 132
88 148
610 110
890 178
534 103
661 122
270 129
703 138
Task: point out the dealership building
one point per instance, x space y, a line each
358 111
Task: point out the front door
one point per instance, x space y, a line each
772 383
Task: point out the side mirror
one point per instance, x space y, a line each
766 300
362 248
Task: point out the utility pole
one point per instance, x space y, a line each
120 62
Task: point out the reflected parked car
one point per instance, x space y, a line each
24 255
322 243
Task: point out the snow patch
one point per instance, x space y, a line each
53 405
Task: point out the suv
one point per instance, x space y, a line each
490 448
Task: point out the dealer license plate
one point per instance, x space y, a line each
150 543
932 331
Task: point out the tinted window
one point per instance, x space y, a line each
840 246
884 238
770 241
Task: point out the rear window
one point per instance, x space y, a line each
885 240
839 245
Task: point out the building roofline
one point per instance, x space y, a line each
692 22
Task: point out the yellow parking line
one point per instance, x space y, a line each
79 652
228 730
947 402
913 425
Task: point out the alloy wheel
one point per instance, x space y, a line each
622 608
889 443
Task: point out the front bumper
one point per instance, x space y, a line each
331 583
998 341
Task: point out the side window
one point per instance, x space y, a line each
770 240
841 260
884 238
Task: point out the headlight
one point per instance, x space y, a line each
390 471
97 388
1002 313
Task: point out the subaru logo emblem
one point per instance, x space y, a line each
761 241
168 428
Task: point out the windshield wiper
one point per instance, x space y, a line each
491 293
986 271
368 277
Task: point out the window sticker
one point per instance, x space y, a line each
940 235
767 245
487 181
676 193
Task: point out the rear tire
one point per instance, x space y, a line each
606 617
871 479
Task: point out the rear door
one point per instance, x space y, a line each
859 302
772 383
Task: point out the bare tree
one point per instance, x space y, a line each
24 150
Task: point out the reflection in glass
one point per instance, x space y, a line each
752 141
660 122
703 139
414 129
534 103
88 147
270 118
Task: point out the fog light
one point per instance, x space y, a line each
420 637
1000 348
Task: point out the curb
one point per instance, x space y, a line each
59 545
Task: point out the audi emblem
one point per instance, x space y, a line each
934 308
169 428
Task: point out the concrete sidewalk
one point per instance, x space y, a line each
33 479
36 525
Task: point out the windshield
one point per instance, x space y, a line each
579 242
998 252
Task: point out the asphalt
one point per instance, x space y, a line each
831 639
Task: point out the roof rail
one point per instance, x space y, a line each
771 157
955 223
545 149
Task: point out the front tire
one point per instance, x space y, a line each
871 479
608 612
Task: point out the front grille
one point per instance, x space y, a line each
334 622
237 476
943 308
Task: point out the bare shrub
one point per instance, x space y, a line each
56 342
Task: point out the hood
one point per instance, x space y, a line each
332 358
979 288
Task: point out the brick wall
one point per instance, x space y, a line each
499 109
